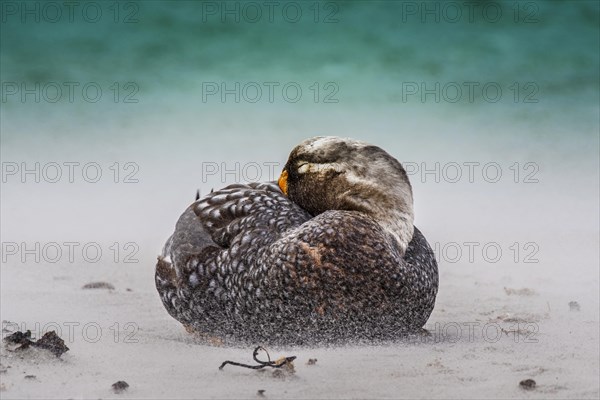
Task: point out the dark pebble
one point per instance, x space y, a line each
98 285
527 384
50 341
120 386
574 306
261 392
312 361
53 343
19 338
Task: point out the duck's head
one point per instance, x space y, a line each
332 173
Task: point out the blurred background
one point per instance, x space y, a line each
114 113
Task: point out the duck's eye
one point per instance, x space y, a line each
306 167
303 167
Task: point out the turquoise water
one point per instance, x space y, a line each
167 56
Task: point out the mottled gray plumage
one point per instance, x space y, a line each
322 265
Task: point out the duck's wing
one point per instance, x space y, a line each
216 239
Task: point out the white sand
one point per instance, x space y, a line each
164 362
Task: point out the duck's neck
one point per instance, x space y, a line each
399 224
393 213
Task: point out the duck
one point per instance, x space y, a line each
327 254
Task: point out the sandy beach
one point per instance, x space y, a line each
484 339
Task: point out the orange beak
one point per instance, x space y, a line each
282 182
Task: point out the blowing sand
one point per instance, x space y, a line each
483 341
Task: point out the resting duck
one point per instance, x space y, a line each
328 254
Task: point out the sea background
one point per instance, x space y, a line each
364 68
